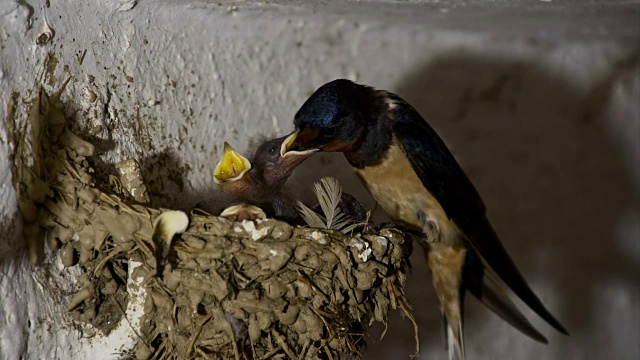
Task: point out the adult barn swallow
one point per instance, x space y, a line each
260 181
417 181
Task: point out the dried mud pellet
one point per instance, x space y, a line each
355 297
265 319
300 325
303 252
282 232
254 329
89 314
195 298
273 256
184 318
83 280
142 351
53 242
313 262
329 258
67 255
86 236
374 268
161 300
193 242
79 297
336 343
38 191
88 195
206 264
106 273
109 288
345 278
289 316
315 326
379 245
100 236
218 227
86 254
303 289
337 297
74 142
172 279
149 306
275 289
245 260
28 210
364 280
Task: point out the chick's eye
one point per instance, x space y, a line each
272 150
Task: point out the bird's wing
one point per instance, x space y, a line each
484 288
446 181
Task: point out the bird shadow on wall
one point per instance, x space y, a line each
552 178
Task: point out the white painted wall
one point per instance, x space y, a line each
538 101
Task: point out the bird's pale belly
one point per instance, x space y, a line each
399 191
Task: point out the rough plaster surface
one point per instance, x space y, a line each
537 100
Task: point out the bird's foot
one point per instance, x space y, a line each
430 230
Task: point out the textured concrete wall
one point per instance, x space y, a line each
538 101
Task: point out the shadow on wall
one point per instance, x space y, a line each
553 181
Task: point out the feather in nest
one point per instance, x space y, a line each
329 192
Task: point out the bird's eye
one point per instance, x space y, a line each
272 150
330 132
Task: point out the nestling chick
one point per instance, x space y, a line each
259 182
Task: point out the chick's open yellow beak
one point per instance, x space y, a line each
231 167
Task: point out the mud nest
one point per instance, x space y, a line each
234 290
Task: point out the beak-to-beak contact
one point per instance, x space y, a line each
290 142
231 167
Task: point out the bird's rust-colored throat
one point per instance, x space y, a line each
231 167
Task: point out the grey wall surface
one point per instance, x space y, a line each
539 102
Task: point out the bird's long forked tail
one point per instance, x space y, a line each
486 243
455 339
486 289
446 266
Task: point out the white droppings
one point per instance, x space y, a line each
124 336
173 222
365 254
256 234
358 244
363 247
248 225
319 237
273 252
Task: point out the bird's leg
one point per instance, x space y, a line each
430 230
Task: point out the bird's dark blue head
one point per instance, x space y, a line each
334 118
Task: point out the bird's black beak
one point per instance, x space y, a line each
231 167
299 143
